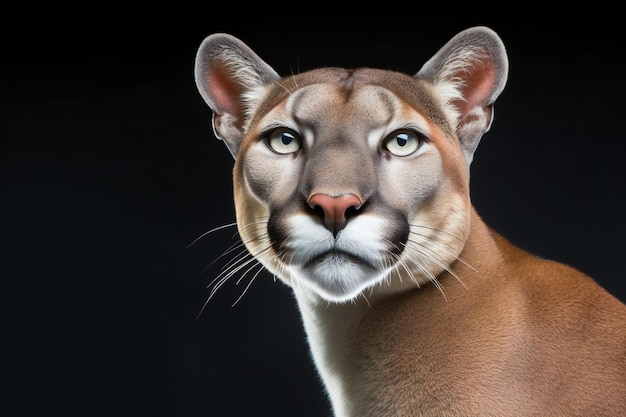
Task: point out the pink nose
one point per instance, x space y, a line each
335 208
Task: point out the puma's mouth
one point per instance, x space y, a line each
337 256
337 267
338 274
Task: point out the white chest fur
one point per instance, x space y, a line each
331 330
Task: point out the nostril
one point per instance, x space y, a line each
335 208
351 211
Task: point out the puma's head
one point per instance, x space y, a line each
353 179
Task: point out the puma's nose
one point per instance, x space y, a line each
335 208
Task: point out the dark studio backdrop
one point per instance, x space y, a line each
109 170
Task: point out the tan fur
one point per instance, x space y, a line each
411 304
529 337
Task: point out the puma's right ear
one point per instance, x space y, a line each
230 78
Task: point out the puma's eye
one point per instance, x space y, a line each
284 141
402 143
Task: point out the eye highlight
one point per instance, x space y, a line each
284 141
402 143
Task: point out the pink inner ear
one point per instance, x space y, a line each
224 91
478 87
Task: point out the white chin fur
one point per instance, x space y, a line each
337 277
338 281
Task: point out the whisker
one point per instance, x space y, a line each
232 247
258 220
437 284
362 294
438 231
282 264
285 88
236 265
243 260
400 263
436 261
219 284
386 265
242 254
448 251
426 272
209 232
245 290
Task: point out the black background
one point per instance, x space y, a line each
109 170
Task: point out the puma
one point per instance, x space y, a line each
352 187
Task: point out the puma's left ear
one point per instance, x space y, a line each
469 72
230 78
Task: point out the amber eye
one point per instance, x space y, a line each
284 141
402 143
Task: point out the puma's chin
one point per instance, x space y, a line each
337 268
338 276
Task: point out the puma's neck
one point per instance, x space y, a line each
335 331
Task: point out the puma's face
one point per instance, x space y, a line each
347 180
344 182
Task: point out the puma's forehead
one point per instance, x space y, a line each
305 104
366 109
343 86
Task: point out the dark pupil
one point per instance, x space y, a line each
402 140
287 138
